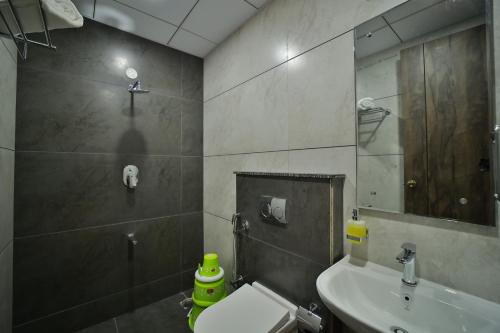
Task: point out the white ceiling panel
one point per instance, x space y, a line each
192 44
258 3
85 7
127 19
172 11
217 19
436 17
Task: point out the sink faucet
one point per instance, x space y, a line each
407 258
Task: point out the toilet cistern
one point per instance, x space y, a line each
407 258
130 176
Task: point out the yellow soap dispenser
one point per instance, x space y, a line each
356 229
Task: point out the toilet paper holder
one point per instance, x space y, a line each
308 321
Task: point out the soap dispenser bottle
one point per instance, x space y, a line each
356 229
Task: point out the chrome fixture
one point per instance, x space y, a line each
407 258
130 176
135 88
132 240
239 226
19 36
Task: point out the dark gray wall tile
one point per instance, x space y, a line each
163 316
104 327
192 77
192 184
101 53
308 213
192 128
61 270
192 240
76 130
6 289
6 196
94 312
188 281
289 275
74 114
61 191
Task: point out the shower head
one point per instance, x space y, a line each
135 88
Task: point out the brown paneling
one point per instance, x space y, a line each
415 143
457 126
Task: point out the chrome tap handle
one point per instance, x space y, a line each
410 247
409 251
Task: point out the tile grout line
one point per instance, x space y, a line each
144 220
154 91
277 65
101 153
6 148
284 250
279 150
11 241
94 300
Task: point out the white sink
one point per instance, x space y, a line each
371 298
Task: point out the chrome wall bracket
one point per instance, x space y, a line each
19 36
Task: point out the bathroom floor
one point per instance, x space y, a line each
164 316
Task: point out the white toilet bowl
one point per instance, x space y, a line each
250 309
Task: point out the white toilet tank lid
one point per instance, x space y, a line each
245 311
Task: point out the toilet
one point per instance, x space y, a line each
250 309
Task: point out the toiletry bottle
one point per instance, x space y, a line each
356 229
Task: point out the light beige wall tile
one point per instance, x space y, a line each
8 85
314 22
321 96
380 182
256 47
6 196
219 193
280 31
218 234
249 118
378 76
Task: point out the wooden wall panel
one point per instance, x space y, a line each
457 127
414 129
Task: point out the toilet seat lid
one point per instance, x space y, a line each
247 310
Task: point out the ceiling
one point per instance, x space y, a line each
192 26
412 20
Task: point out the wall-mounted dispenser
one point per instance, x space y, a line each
273 209
130 176
356 231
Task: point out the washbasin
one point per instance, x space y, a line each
371 298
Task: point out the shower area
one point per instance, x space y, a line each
108 181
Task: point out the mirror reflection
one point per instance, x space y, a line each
423 107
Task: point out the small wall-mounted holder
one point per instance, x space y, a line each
272 209
132 243
130 176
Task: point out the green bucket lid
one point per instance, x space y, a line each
210 265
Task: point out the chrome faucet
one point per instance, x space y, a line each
407 258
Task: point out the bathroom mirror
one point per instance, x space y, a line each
425 111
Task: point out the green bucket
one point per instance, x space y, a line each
208 293
193 315
210 265
209 287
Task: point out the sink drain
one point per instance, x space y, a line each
396 329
